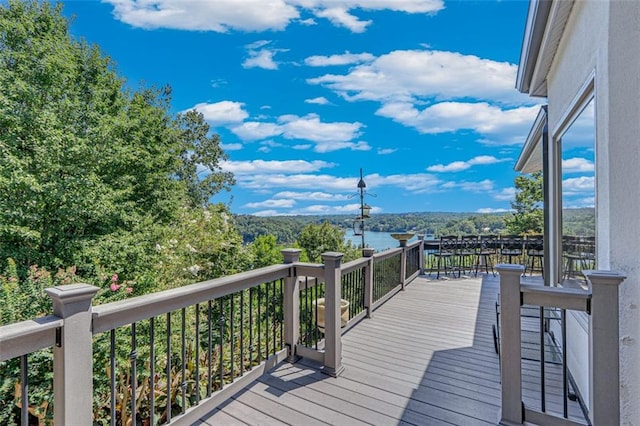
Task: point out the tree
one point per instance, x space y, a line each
528 217
89 169
316 239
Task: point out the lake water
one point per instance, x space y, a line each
379 241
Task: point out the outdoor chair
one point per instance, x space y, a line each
511 247
534 245
488 246
447 254
467 252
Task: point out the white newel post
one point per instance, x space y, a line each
332 323
73 355
291 304
421 239
368 281
604 347
510 352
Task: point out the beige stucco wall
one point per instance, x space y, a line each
604 37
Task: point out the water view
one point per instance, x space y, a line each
379 241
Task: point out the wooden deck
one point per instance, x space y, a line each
425 358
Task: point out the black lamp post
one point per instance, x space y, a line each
365 210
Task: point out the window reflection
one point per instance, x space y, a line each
578 197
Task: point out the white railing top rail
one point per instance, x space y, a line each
115 314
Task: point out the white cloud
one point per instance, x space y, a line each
438 92
577 165
482 186
506 194
326 136
488 210
498 126
261 57
194 15
310 196
386 151
403 75
223 112
278 204
231 146
457 166
346 58
336 146
318 101
578 185
255 15
256 167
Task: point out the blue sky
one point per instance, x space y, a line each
304 93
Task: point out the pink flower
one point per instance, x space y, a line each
114 278
114 287
128 290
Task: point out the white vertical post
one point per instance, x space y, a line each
604 347
332 295
73 354
291 304
368 281
510 352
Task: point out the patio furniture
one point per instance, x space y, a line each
534 245
487 249
512 246
447 254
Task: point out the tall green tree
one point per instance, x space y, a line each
89 168
528 217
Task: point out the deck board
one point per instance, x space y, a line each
425 358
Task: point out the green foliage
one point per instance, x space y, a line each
317 239
202 244
287 228
265 251
88 168
528 217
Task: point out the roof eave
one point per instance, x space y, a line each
531 43
530 159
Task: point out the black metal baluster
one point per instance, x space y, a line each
242 360
210 350
183 380
250 328
542 358
169 378
133 356
24 388
266 321
259 322
197 378
274 318
221 324
315 328
152 371
281 313
232 343
112 370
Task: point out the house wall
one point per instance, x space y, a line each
604 38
